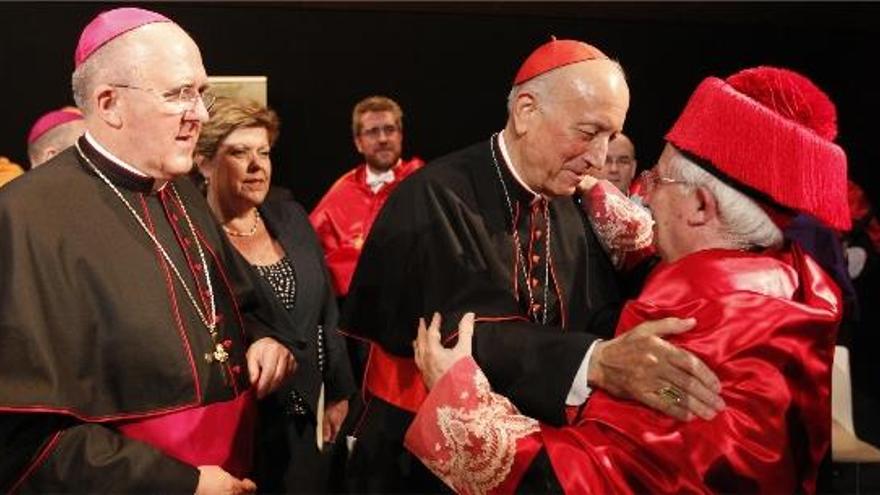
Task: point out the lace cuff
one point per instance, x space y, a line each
622 226
466 434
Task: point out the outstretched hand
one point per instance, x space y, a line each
431 357
641 365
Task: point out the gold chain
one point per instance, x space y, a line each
516 241
210 324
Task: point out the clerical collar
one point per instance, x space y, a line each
509 163
119 172
376 180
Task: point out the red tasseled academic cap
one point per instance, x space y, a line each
110 24
553 55
771 130
51 120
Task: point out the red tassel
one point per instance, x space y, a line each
790 95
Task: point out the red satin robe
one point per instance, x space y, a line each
766 324
345 214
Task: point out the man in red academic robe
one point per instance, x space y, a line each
345 214
765 317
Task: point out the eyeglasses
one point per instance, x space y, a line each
186 98
651 179
375 132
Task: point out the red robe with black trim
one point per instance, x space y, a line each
345 214
766 325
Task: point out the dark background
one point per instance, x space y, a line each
450 65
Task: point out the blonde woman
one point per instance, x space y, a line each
276 239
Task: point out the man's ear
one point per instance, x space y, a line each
106 100
524 112
705 207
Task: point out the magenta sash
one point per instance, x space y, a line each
219 434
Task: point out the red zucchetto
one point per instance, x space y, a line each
553 55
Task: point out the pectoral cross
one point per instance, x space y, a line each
220 355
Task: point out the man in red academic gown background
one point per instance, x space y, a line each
345 214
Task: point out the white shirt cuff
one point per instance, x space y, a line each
580 391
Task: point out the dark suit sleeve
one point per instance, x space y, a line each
290 222
338 375
47 453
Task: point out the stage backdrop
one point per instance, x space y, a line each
450 65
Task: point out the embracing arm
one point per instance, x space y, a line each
476 441
624 228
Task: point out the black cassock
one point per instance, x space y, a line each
443 242
96 330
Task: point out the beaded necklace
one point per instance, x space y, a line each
249 233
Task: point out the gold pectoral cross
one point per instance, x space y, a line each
219 354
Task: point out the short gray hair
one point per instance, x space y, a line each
746 224
536 86
107 64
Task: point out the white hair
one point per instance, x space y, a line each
114 62
536 86
746 224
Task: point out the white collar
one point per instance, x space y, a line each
110 156
376 181
507 161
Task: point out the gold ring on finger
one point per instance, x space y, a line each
671 394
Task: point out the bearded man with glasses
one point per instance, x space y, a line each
133 340
345 214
